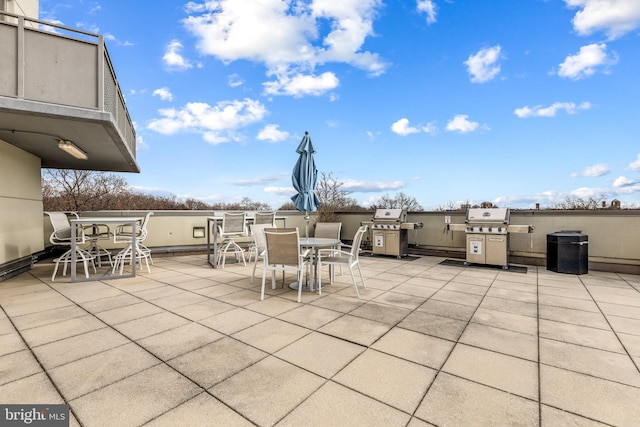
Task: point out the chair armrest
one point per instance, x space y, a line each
332 252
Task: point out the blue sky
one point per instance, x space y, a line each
513 102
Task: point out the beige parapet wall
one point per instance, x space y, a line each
614 235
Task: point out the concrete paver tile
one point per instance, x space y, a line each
273 306
552 417
416 347
214 362
335 405
463 298
135 399
591 361
505 320
231 321
576 317
566 302
146 326
200 411
382 313
271 335
402 300
510 306
104 304
73 348
598 399
507 373
355 329
321 354
581 335
130 312
399 383
36 389
17 365
174 342
500 340
61 330
91 373
267 390
448 309
431 324
309 316
453 401
202 310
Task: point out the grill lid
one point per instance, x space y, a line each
488 216
390 215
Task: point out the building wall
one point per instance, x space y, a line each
21 228
28 8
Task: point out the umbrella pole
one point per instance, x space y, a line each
306 218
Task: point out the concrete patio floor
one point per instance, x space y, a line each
189 345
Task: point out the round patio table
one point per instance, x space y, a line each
315 243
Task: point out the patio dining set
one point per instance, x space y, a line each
281 249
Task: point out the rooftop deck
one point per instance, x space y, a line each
426 344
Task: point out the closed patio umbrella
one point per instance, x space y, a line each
305 179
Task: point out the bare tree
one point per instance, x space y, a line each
399 201
81 190
578 203
332 198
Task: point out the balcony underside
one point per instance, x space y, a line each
36 127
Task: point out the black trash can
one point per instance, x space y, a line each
568 252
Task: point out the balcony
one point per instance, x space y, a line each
58 84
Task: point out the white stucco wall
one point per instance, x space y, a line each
21 225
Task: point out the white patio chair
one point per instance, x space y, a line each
265 218
124 234
330 230
61 236
259 245
350 259
283 253
233 225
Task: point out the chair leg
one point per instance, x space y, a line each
264 277
361 276
353 279
300 280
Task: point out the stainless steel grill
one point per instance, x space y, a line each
487 234
389 232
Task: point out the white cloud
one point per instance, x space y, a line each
217 123
173 59
300 85
635 165
164 93
621 181
402 128
289 38
280 191
550 111
614 17
370 186
428 7
483 66
586 61
234 80
599 169
462 124
272 133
